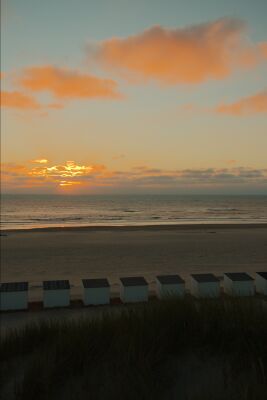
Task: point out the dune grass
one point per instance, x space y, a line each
161 350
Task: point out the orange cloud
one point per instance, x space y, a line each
12 168
247 106
81 178
67 175
19 100
187 55
40 161
67 84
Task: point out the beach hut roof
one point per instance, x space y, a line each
95 283
55 285
205 278
263 274
238 276
169 279
14 287
134 281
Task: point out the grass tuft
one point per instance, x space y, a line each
175 348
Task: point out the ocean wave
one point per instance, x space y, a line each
224 210
112 219
56 219
45 211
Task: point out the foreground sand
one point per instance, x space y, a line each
77 253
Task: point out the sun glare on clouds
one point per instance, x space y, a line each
58 173
79 178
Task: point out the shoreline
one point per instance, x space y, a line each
112 252
149 227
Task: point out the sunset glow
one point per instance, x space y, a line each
41 161
158 103
55 173
133 199
81 178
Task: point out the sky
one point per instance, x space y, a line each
144 96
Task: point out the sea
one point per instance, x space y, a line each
46 211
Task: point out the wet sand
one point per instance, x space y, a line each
114 252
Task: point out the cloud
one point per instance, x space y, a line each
40 161
83 178
13 169
19 100
49 178
256 104
22 101
263 49
190 55
64 83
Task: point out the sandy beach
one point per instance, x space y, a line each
114 252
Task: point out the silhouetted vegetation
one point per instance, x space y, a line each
187 349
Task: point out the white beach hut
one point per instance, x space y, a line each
238 284
133 289
205 285
14 296
56 293
170 285
96 291
261 282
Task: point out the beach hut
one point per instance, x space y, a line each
205 285
56 293
14 296
170 285
133 289
238 284
96 291
261 282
